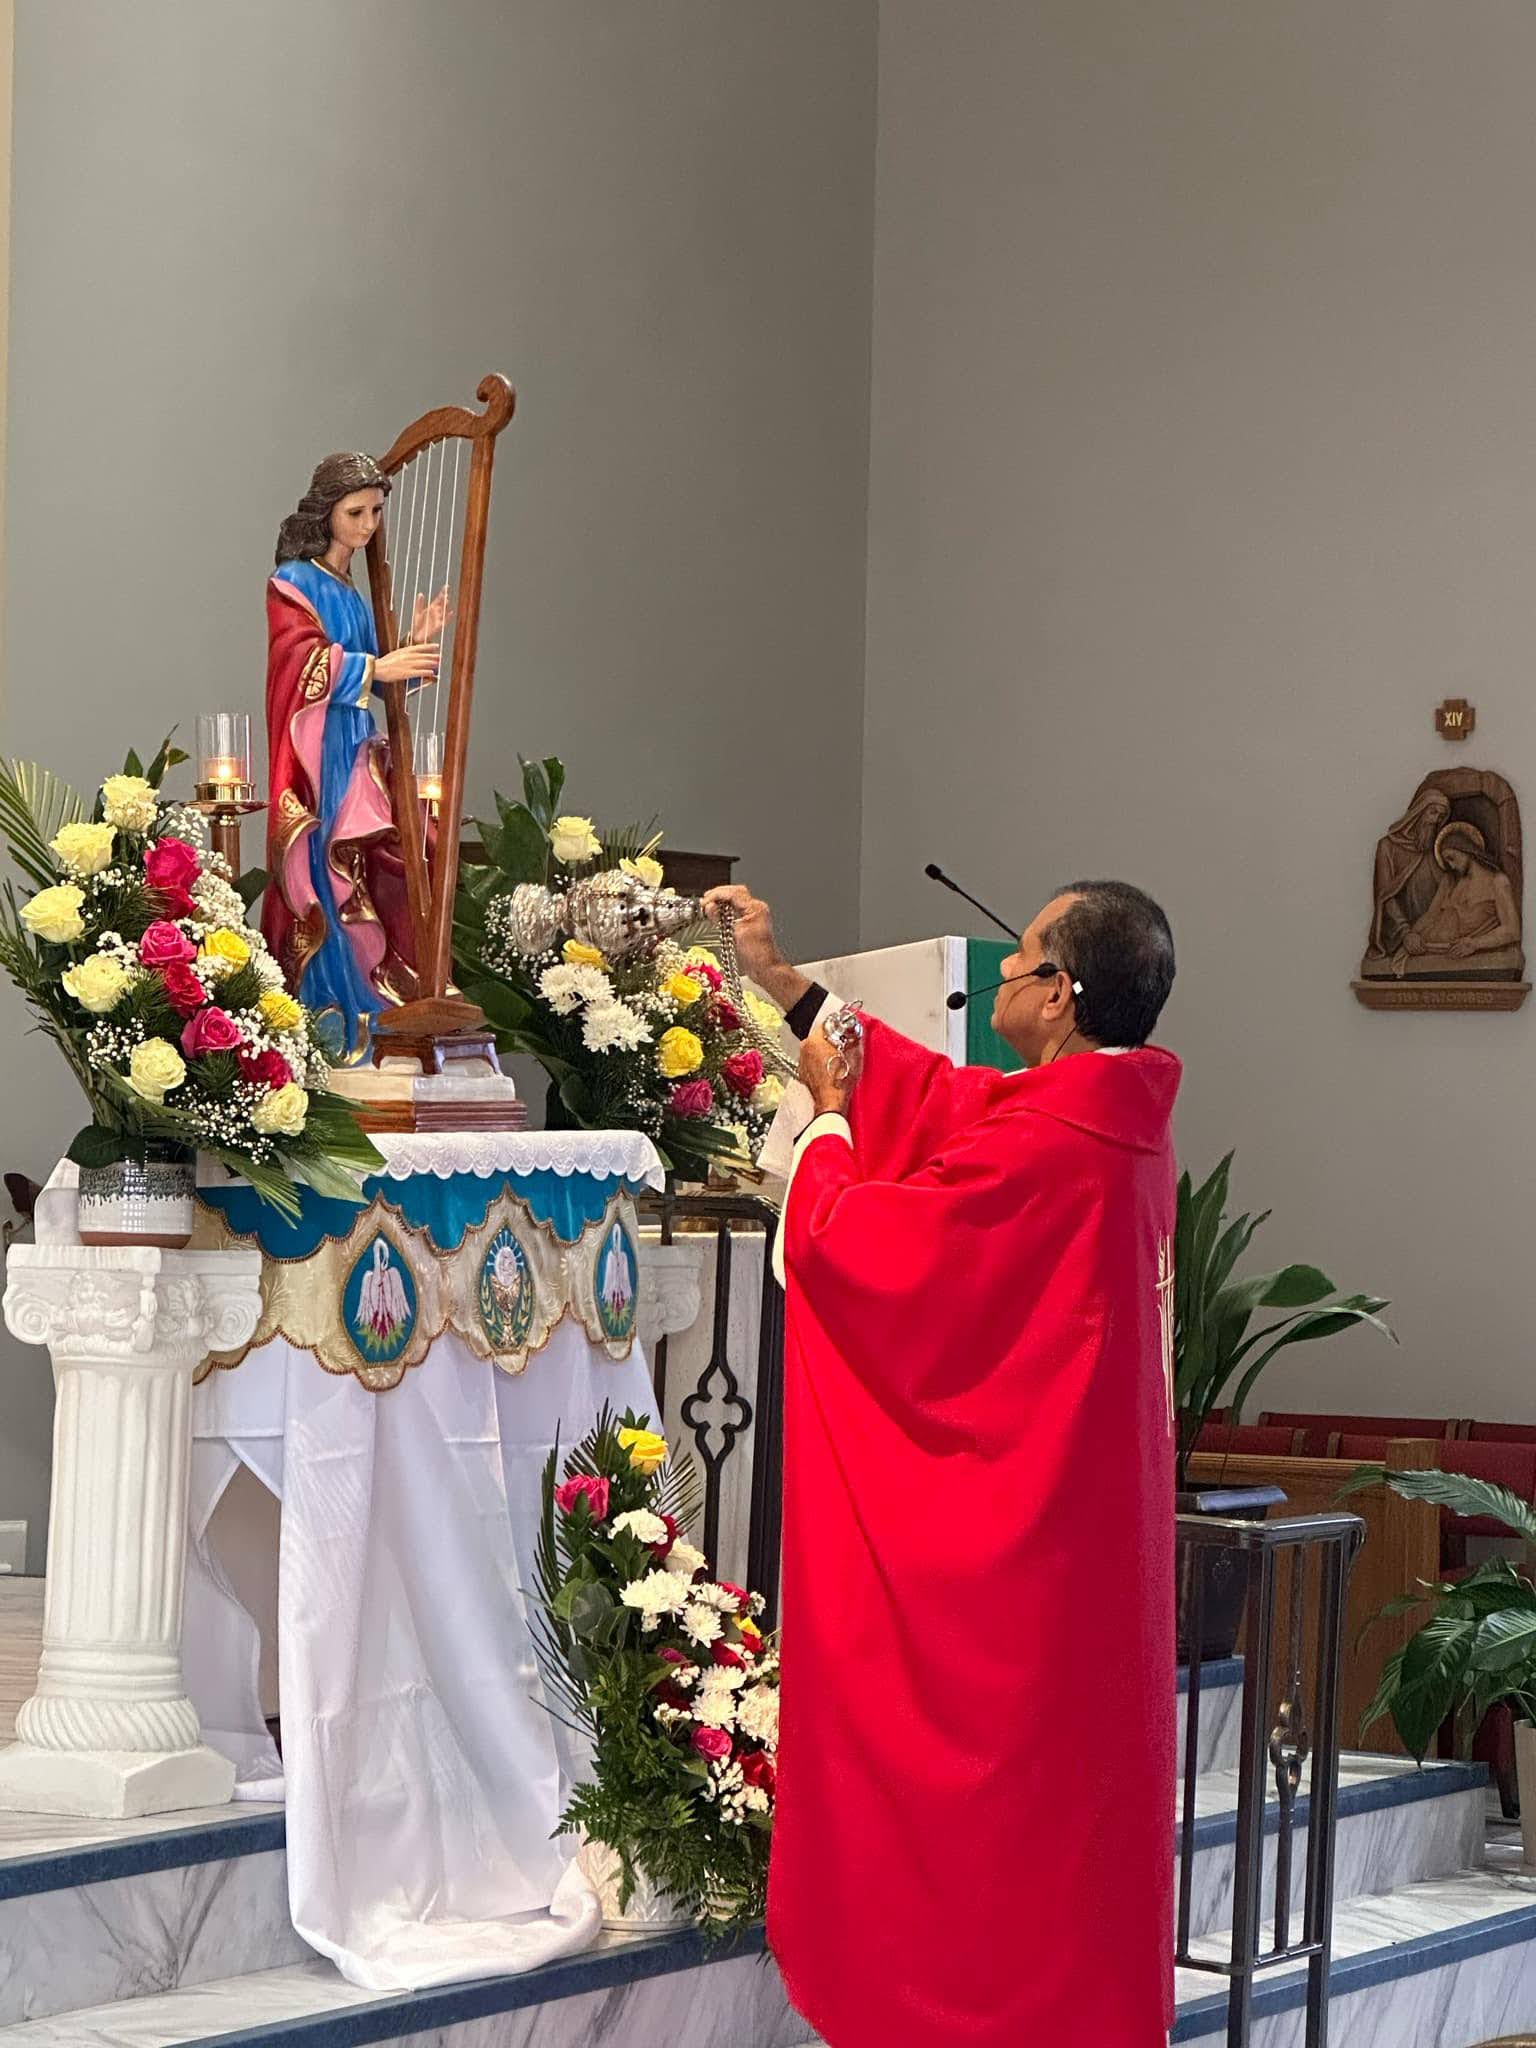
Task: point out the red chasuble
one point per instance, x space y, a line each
973 1845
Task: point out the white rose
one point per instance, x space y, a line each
83 849
129 802
156 1068
574 841
98 984
54 914
683 1559
282 1113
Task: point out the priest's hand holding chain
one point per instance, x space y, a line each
829 1070
757 950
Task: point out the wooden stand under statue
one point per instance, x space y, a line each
364 834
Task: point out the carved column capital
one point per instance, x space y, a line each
670 1290
131 1303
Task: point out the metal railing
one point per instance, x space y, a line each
1290 1713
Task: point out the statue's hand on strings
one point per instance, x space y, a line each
413 663
429 618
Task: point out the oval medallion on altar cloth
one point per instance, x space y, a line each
616 1283
506 1293
378 1303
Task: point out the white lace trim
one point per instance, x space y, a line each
606 1155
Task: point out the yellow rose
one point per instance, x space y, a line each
130 802
282 1113
644 870
227 946
83 849
54 914
646 1449
156 1068
574 841
98 983
575 954
679 1052
279 1012
682 988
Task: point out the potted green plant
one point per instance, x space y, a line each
1218 1358
1477 1648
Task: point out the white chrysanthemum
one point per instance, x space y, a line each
566 988
714 1708
724 1678
642 1525
701 1624
757 1714
656 1594
713 1596
683 1559
757 1603
613 1027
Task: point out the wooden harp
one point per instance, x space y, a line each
431 539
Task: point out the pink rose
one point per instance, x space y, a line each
743 1071
727 1016
164 946
269 1068
211 1030
701 970
713 1743
183 991
588 1487
691 1098
757 1769
171 864
674 1657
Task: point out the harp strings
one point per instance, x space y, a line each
427 489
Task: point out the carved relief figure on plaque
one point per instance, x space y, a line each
1447 889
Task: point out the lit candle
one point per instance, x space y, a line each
224 756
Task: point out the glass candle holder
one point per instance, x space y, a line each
224 758
429 767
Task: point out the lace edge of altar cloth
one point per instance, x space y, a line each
615 1155
370 1304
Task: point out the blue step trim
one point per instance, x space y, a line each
447 2005
1207 2018
1220 1671
1407 1788
168 1849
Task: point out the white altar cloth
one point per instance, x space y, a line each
422 1773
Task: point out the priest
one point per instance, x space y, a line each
974 1836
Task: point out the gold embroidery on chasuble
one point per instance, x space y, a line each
372 1303
1165 1280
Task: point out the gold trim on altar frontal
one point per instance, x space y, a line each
304 1299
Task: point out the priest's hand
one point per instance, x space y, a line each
757 950
828 1074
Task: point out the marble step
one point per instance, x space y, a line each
1221 1697
680 1988
1397 1824
92 1911
1450 1963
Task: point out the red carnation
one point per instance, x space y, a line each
211 1030
183 991
713 1743
702 970
727 1016
660 1550
757 1769
743 1071
738 1593
586 1486
269 1068
691 1098
671 1694
171 864
723 1654
164 945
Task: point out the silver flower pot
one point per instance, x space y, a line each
150 1200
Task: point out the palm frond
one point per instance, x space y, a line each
34 807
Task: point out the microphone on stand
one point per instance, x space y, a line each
936 874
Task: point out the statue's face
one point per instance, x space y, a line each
355 518
1458 860
1435 816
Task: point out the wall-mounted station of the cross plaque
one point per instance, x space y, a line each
1446 900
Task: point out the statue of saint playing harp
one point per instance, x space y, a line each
364 859
336 914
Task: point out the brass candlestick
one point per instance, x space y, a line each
225 792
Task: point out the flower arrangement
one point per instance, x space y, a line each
651 1043
131 948
664 1670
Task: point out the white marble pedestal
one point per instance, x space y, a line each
110 1732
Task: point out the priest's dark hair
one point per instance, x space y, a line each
1117 942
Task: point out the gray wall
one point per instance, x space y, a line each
245 234
1203 465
